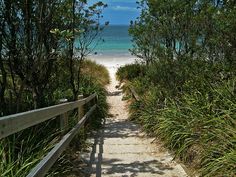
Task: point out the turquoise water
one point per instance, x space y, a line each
115 41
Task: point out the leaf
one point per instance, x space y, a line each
55 31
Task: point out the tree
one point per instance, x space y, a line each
28 44
81 35
36 38
3 73
177 29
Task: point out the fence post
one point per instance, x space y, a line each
80 116
63 118
80 108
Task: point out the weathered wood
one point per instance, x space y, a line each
80 109
47 162
88 99
63 118
80 97
17 122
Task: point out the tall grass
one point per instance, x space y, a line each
130 71
23 150
96 71
192 108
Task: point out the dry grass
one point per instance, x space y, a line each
96 71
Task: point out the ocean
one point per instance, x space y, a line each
115 42
113 49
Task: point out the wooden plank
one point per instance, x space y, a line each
80 110
42 168
88 99
63 118
17 122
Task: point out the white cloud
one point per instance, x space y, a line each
123 8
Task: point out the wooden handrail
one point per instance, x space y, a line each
17 122
47 162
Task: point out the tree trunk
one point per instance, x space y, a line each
3 107
3 81
39 98
71 51
19 96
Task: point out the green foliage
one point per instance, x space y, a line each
188 89
42 47
96 70
190 105
94 78
172 29
90 83
66 34
130 71
20 152
39 65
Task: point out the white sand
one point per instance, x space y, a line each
113 61
120 148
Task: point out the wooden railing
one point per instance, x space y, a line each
14 123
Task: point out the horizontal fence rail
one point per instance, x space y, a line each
47 162
14 123
17 122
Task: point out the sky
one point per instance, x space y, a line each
119 12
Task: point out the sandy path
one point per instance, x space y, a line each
120 149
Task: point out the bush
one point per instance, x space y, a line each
96 71
130 71
190 105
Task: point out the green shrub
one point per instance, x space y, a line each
191 107
96 71
130 71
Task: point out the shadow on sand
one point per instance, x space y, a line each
97 162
